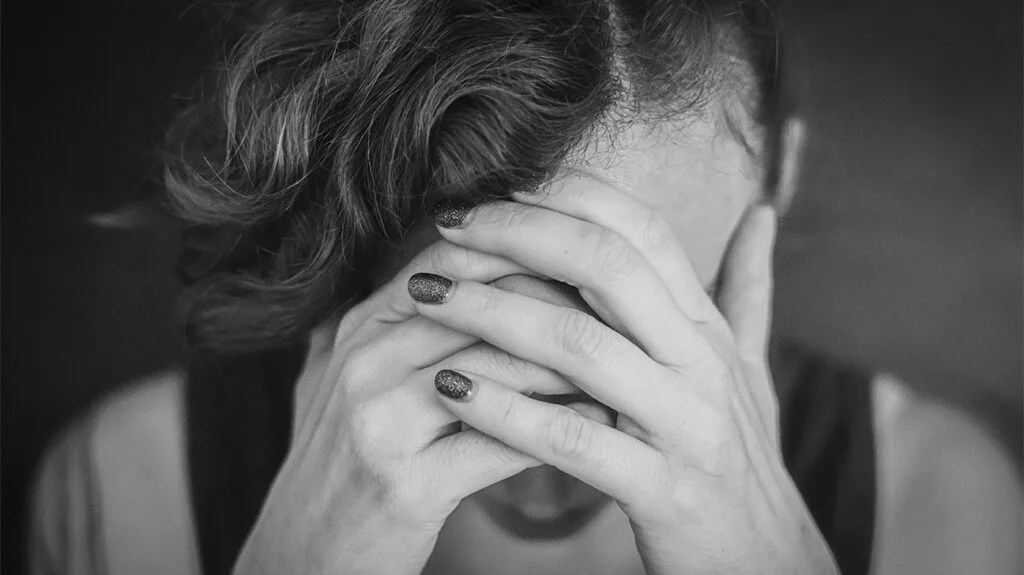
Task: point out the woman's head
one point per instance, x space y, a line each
334 125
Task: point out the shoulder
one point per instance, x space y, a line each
111 491
949 492
139 426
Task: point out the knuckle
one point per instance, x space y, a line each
505 364
451 260
653 230
486 359
440 258
359 367
351 322
505 456
489 302
682 494
715 447
513 215
369 431
362 423
568 434
610 254
580 335
508 415
521 375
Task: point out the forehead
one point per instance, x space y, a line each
699 173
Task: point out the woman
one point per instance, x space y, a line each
478 287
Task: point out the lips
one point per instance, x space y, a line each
564 524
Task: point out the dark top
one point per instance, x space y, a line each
239 413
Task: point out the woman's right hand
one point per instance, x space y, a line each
376 464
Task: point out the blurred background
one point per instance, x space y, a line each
902 250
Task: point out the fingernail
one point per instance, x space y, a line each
451 214
430 288
454 385
533 190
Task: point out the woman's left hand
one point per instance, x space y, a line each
693 459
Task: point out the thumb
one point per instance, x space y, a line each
745 297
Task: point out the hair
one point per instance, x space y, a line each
332 125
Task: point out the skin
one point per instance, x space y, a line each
692 459
643 226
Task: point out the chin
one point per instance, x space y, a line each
542 504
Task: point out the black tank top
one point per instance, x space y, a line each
239 412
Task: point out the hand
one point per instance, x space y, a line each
376 463
693 459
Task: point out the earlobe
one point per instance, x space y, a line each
791 155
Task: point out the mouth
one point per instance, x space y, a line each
535 523
541 503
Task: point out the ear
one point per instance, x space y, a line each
791 154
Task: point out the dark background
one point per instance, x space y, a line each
902 250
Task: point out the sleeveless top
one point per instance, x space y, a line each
238 419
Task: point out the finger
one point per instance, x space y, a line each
745 295
463 463
404 333
424 420
448 259
416 342
791 151
599 202
407 339
611 275
594 412
513 372
591 355
745 300
603 457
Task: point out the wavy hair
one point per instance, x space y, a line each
332 125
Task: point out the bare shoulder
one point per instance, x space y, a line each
950 494
114 485
143 419
135 426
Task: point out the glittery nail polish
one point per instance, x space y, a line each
430 288
454 385
450 214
